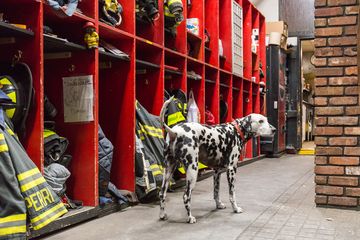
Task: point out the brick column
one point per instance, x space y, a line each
337 104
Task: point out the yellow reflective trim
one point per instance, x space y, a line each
4 148
2 137
10 112
52 218
13 218
175 118
159 130
5 81
27 174
32 184
154 166
48 212
157 173
169 2
201 166
12 230
48 133
151 131
12 96
10 132
182 170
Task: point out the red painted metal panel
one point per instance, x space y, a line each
212 27
120 85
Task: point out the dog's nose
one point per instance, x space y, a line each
273 129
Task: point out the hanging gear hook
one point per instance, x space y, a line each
16 57
72 68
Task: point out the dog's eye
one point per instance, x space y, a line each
261 121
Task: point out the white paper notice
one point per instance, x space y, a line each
78 98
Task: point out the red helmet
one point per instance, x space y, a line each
89 24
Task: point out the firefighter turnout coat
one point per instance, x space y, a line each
24 193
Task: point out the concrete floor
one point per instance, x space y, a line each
277 196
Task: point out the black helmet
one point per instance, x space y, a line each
16 83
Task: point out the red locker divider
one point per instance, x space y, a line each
212 27
225 33
212 93
26 42
237 97
157 62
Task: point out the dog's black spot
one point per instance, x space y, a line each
203 132
193 132
187 140
186 128
193 167
189 158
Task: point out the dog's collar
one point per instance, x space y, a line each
237 127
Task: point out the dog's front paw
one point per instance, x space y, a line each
238 210
191 219
163 216
220 205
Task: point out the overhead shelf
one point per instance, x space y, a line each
193 78
110 56
9 30
173 72
54 44
224 85
147 65
210 81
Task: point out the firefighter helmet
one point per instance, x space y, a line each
110 12
16 83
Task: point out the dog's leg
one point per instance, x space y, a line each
169 170
231 171
191 177
219 204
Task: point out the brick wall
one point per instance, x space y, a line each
337 108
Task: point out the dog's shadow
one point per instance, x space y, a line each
205 216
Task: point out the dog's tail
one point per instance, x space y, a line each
172 134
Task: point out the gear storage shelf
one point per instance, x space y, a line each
157 61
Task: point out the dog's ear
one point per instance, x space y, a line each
172 136
246 124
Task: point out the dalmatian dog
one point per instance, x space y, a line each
219 147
